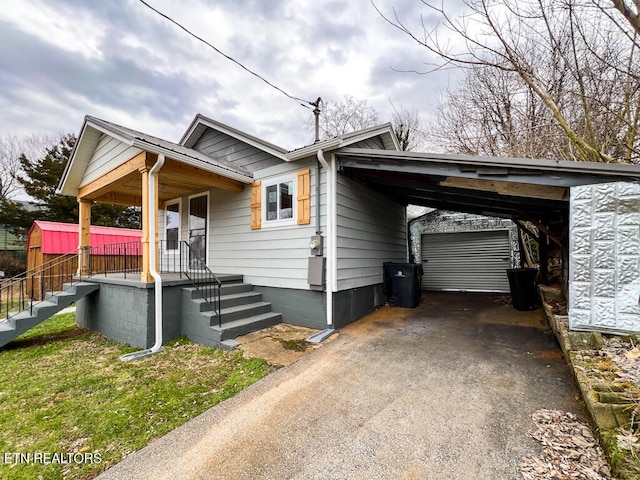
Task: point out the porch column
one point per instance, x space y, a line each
145 276
84 236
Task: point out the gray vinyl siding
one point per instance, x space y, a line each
271 256
371 230
226 148
109 154
375 142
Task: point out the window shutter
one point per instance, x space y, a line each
304 197
256 210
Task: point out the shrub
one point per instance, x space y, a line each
11 265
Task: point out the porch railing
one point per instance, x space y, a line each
23 291
123 258
126 258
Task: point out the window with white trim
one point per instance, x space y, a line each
172 225
279 200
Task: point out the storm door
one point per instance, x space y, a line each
198 213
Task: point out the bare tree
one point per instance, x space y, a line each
12 148
629 10
490 112
567 54
409 127
348 115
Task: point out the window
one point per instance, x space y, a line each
279 201
172 225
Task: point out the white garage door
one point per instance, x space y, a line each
468 261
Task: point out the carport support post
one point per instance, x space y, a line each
84 236
543 252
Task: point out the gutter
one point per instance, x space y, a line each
331 245
157 347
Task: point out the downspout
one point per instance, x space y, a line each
157 347
330 235
318 167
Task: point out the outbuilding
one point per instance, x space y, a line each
51 243
464 252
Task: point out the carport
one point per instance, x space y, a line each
533 190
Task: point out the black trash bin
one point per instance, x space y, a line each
522 283
402 284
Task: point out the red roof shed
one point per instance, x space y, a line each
55 238
49 244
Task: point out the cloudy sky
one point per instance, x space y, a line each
118 60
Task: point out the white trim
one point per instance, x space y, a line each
331 269
293 220
333 219
208 220
175 201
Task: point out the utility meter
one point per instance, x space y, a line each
315 245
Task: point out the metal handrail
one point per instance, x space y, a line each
27 289
205 281
31 287
122 257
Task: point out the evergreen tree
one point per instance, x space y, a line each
40 180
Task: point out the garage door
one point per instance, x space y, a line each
469 261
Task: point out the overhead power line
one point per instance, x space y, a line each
304 103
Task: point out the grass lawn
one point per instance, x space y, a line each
67 398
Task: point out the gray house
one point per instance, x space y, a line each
282 235
238 234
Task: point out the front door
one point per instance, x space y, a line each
198 214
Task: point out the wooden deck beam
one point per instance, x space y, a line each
181 172
105 183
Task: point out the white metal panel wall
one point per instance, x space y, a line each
604 258
466 261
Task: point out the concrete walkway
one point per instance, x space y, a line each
443 391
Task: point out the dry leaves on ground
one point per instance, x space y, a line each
570 450
625 356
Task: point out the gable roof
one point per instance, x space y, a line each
384 131
94 128
200 123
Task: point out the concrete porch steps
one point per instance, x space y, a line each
42 310
242 312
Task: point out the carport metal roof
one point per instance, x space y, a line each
518 188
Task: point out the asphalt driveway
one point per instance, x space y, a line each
444 391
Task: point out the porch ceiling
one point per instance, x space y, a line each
522 189
123 185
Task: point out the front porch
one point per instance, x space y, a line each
123 309
116 165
